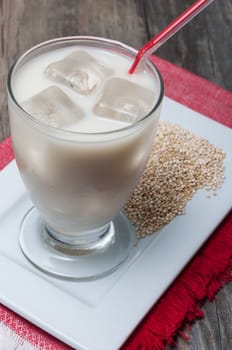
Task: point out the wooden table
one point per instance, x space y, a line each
204 47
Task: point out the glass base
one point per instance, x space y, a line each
71 261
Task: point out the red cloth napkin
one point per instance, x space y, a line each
208 270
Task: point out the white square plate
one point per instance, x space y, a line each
100 315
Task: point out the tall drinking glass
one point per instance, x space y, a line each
78 181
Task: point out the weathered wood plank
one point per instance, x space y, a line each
204 46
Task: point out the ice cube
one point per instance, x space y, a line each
53 107
124 100
79 71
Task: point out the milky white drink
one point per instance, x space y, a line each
77 151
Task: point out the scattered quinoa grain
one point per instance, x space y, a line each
180 163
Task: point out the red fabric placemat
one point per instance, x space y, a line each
208 270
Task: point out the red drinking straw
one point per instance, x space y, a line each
169 31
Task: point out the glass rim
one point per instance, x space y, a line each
54 131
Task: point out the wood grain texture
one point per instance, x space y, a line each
203 47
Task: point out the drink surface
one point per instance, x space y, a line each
93 89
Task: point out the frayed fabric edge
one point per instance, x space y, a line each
9 340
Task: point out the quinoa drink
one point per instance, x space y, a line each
82 129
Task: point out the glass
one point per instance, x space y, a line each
79 182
